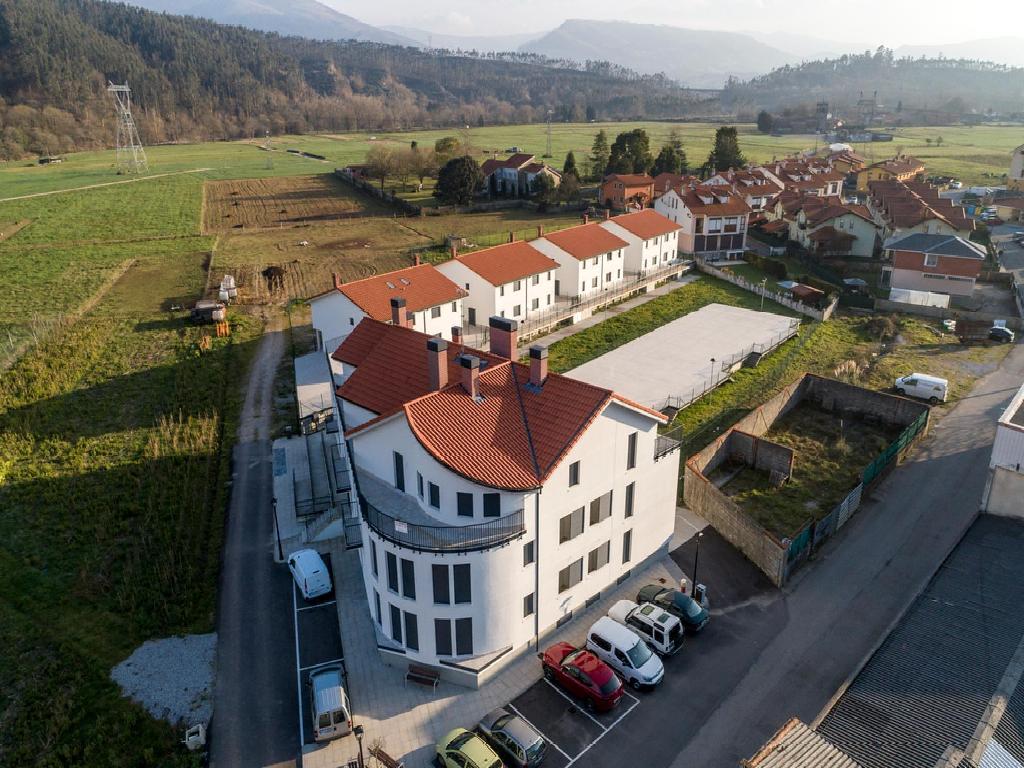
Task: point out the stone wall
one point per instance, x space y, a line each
759 453
941 313
840 397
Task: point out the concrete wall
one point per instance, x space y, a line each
838 396
1005 494
761 454
884 305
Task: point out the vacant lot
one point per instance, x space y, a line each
283 201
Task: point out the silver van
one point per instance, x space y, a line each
310 573
328 703
662 631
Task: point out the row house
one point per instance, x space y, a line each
591 260
663 182
498 499
907 208
513 280
812 176
432 302
935 263
757 188
829 227
899 168
516 175
712 218
652 240
623 190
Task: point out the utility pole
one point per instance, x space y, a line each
131 157
548 153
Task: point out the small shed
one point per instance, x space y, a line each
806 294
209 311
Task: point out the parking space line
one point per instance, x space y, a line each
298 668
549 741
617 720
582 710
318 605
321 664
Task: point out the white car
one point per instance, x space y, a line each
310 573
625 652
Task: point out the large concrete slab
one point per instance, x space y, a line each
675 360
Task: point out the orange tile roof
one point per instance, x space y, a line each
586 241
505 263
646 223
421 286
734 205
630 179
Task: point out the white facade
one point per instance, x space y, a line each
584 278
334 316
517 299
1004 492
642 256
1016 176
863 230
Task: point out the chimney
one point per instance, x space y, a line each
337 281
416 259
504 333
607 213
540 230
586 219
511 236
437 362
456 334
538 365
470 375
398 314
455 250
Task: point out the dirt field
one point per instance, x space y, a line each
282 202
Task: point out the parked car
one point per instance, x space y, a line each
328 703
692 614
310 573
465 749
659 628
582 675
930 388
625 652
1001 334
514 739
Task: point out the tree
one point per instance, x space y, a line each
928 141
726 152
380 163
631 153
676 142
764 121
591 114
668 161
569 189
938 141
569 169
422 163
458 180
446 147
599 154
544 191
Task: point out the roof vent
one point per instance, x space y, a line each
390 284
404 281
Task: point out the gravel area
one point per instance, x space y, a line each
172 678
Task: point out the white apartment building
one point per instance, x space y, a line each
513 280
497 498
1004 491
652 239
432 301
590 259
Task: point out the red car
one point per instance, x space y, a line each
581 674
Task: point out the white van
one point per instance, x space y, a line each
310 573
624 651
328 703
930 388
662 631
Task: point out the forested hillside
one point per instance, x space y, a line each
194 79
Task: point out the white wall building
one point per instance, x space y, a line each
1004 493
591 260
652 239
499 498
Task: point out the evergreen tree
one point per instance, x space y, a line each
569 169
458 181
599 154
726 153
591 114
544 191
676 142
668 161
631 153
764 121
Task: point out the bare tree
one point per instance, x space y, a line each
380 163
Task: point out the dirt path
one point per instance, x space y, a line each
102 184
254 423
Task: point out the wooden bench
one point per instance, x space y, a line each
385 759
423 675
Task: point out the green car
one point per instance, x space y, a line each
464 749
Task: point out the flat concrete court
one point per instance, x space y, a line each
675 360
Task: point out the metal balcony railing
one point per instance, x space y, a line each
444 538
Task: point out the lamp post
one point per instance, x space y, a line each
358 732
764 282
712 372
277 531
696 557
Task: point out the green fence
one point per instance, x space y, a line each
886 457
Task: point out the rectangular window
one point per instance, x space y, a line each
528 605
574 474
435 495
528 553
412 632
501 291
583 286
419 485
593 283
455 308
492 505
598 558
439 575
627 545
464 504
931 260
399 471
376 609
463 589
631 451
408 579
435 312
549 299
700 226
535 303
373 558
601 508
570 526
570 576
463 637
517 285
630 492
443 637
535 280
396 625
607 277
392 563
517 310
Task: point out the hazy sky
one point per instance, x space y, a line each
893 22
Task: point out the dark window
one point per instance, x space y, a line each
627 545
598 558
631 451
412 632
570 526
419 485
464 502
376 607
443 637
528 605
463 637
528 553
408 579
373 558
435 495
463 590
392 563
630 491
435 312
399 471
396 625
600 642
492 504
601 508
439 574
574 474
570 576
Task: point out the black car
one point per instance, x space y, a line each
692 614
1000 334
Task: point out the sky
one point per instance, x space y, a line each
892 22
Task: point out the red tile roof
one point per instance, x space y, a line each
733 204
518 160
586 241
646 224
421 286
505 263
630 179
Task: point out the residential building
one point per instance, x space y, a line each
712 218
1015 178
756 187
808 176
936 263
907 208
653 240
1010 209
846 161
497 497
591 260
622 190
1004 493
663 182
899 168
513 280
828 227
432 302
515 176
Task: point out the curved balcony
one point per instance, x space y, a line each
444 538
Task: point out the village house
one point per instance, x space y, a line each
906 208
899 168
757 188
513 280
622 190
1015 178
828 227
810 176
433 302
497 498
653 240
936 263
663 182
846 161
516 175
591 260
712 219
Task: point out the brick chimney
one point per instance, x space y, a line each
538 365
416 259
540 230
437 362
455 250
607 213
398 314
456 334
504 336
337 281
586 219
511 236
470 375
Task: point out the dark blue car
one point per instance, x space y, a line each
691 613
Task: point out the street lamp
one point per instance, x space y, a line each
712 371
764 282
696 556
358 731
